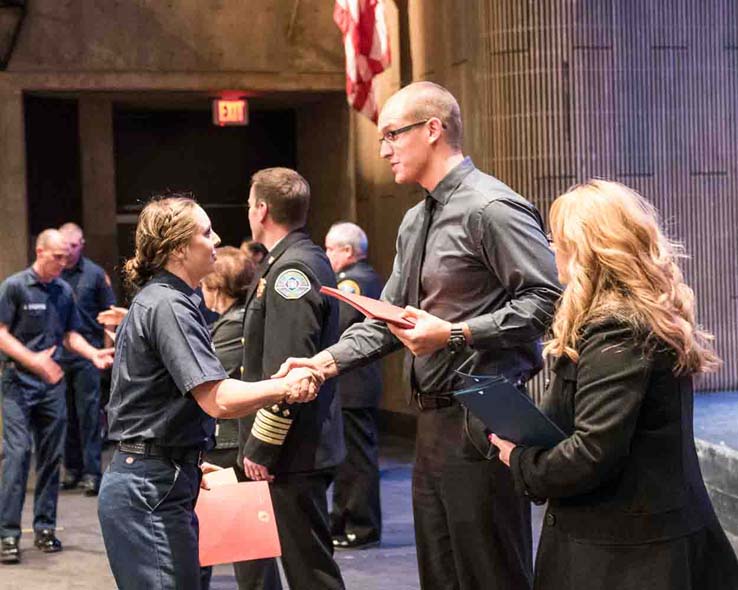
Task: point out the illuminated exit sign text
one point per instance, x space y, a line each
230 112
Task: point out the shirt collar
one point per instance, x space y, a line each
79 267
443 191
32 277
167 278
279 248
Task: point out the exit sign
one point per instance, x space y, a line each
228 112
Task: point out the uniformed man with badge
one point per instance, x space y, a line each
37 316
296 448
356 517
93 294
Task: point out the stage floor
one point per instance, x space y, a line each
83 565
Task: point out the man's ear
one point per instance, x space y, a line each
262 210
435 129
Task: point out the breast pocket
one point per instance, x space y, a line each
32 322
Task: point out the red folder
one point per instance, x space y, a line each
372 308
237 523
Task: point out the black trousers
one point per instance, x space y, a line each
472 530
356 507
301 509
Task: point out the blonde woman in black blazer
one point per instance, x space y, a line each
627 507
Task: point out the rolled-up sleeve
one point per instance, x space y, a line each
513 246
184 344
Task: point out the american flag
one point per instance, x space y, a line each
366 42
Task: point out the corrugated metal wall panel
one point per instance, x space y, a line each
644 92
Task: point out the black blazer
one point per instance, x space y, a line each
628 473
287 316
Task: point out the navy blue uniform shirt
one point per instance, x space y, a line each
93 294
39 315
362 387
162 352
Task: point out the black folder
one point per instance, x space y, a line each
508 412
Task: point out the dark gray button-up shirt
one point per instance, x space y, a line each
487 263
162 352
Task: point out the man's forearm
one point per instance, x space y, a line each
326 364
13 348
232 398
75 342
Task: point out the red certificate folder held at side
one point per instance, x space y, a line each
372 308
237 523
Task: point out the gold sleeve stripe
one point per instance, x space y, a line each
266 438
278 420
270 428
275 431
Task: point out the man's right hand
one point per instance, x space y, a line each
322 363
303 384
45 366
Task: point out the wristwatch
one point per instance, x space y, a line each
456 340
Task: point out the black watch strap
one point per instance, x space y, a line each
456 340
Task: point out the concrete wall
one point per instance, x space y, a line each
178 36
103 51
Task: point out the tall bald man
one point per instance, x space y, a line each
93 294
37 316
474 268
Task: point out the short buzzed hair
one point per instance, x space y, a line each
427 100
71 228
47 236
350 234
286 193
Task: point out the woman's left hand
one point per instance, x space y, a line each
505 446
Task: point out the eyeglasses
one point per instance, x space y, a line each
391 136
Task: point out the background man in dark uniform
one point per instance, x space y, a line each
37 316
296 448
356 517
93 294
474 265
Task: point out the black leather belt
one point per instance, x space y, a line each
429 401
149 449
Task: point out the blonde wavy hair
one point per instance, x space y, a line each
164 225
621 265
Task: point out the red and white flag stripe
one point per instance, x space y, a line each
366 42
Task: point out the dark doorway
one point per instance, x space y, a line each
160 151
52 163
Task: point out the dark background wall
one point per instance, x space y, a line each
160 151
53 163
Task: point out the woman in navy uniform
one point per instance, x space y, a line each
167 385
627 507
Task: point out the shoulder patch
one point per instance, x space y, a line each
349 286
292 284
